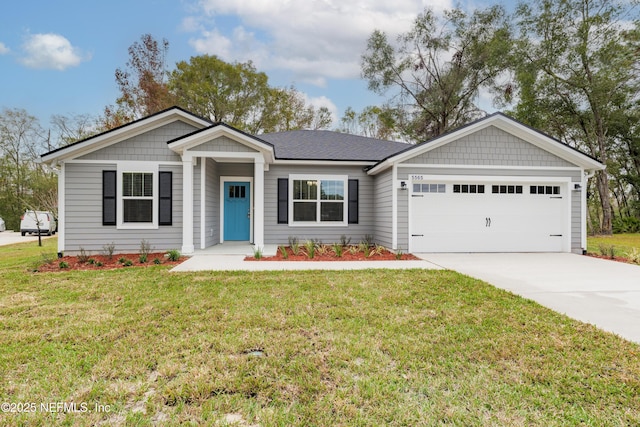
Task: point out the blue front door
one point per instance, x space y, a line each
237 211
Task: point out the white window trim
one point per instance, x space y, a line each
136 167
318 223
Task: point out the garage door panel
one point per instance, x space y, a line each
509 218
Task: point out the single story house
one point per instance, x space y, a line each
182 182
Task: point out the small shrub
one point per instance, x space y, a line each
173 255
145 250
99 264
310 246
157 261
399 255
283 252
337 249
607 250
323 250
257 252
83 257
366 251
344 240
379 250
91 261
122 260
294 245
127 263
109 249
368 239
634 256
354 249
63 264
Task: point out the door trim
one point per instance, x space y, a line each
223 180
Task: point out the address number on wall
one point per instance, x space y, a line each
417 177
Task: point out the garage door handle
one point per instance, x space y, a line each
487 222
555 197
555 235
417 235
417 195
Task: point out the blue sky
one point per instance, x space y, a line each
59 57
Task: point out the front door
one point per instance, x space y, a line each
237 211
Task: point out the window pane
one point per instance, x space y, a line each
332 190
304 211
518 189
331 211
480 188
138 210
148 184
442 188
127 184
556 190
305 190
456 188
416 188
494 189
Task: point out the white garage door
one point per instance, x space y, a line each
488 216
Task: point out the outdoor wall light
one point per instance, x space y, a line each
577 187
403 185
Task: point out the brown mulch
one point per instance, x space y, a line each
615 258
107 263
329 255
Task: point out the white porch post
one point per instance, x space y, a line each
62 211
187 204
258 203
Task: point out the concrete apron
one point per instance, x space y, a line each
600 292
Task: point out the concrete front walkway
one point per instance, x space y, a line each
601 292
218 262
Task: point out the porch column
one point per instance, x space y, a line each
258 203
187 204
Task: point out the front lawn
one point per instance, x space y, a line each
376 347
622 245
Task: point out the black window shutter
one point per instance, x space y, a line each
353 201
166 198
283 200
109 192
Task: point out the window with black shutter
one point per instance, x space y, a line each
109 197
166 198
283 200
353 201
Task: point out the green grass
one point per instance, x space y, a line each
339 348
623 244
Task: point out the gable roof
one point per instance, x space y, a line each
127 130
505 123
329 145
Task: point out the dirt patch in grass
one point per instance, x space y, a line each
104 262
327 253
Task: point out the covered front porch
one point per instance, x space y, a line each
236 248
223 190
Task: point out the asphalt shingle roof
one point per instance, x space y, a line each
329 145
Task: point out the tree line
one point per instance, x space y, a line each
566 67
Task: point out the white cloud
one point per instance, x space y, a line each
4 49
316 40
51 51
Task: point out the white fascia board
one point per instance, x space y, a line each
122 133
183 144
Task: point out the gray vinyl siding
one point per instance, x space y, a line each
212 212
534 174
383 208
235 169
491 147
149 146
403 220
83 214
224 144
278 233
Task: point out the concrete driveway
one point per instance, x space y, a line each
601 292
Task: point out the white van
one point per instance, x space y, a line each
32 221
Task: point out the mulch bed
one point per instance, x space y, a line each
115 262
615 258
329 255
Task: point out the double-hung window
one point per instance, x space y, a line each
318 199
137 197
